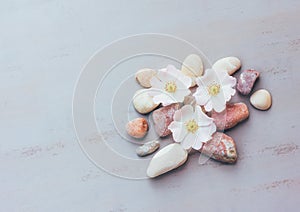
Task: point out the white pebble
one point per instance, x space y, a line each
143 102
192 66
230 64
144 76
167 159
261 99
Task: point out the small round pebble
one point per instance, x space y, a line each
137 128
261 99
144 76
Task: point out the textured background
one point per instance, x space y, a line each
45 43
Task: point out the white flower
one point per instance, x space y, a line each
192 128
171 84
215 89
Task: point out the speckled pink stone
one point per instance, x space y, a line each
162 118
221 148
246 81
231 116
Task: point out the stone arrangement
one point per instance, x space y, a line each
183 113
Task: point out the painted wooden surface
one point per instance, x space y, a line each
45 43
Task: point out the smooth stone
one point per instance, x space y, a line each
230 64
261 99
144 76
221 148
147 148
137 128
192 66
246 81
162 118
231 116
167 159
143 102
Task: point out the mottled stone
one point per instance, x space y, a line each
137 128
261 99
167 159
144 76
143 102
147 148
162 118
231 116
230 64
221 148
246 81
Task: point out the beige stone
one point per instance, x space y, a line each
230 64
167 159
261 99
143 102
192 66
144 76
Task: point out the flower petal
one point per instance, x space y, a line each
178 131
202 118
210 76
164 76
189 140
155 82
208 105
184 114
204 134
201 95
163 98
197 145
219 102
228 92
184 80
229 80
180 94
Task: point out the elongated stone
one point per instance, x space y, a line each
167 159
246 81
231 116
147 148
221 148
230 64
162 118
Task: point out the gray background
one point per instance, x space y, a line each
44 45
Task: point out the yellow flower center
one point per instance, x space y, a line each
170 87
192 126
214 89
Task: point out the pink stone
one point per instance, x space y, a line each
162 118
246 81
221 148
137 128
231 116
